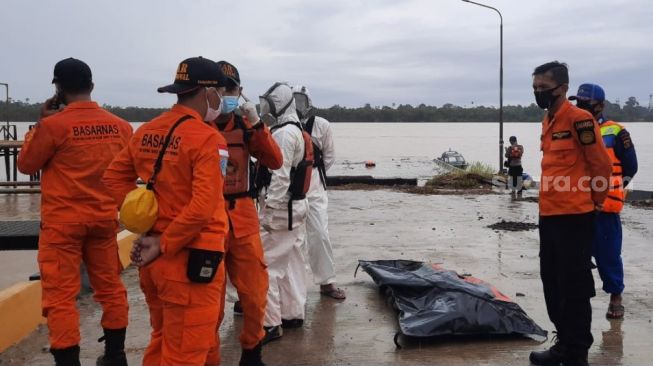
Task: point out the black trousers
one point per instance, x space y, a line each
516 180
565 268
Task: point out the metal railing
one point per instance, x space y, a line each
9 150
8 147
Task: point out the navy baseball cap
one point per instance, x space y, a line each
589 92
230 72
72 73
195 72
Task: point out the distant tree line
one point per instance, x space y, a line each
630 112
23 111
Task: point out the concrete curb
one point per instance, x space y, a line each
125 244
20 312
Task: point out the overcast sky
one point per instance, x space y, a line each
348 52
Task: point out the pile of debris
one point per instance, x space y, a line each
513 226
646 204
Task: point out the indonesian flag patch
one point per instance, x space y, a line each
224 158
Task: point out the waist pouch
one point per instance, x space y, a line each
203 265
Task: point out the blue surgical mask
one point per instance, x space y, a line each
229 103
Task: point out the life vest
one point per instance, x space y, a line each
514 152
616 195
317 152
300 175
239 181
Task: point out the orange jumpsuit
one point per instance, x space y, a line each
244 260
188 189
78 215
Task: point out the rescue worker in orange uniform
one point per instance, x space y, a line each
575 173
514 154
607 236
244 262
179 258
73 146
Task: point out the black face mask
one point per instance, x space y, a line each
582 104
545 98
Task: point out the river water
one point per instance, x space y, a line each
407 149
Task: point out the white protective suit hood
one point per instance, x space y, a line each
303 102
278 105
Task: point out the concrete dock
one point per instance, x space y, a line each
447 229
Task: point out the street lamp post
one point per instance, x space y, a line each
500 81
6 109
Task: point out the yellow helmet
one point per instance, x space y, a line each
139 211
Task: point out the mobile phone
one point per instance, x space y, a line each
56 102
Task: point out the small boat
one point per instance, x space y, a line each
453 158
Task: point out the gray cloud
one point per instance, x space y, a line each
347 52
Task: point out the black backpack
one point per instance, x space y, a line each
317 153
300 176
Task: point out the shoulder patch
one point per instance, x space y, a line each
585 124
585 130
625 139
587 137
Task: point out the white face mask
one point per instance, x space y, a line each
211 114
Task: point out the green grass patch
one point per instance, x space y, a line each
484 170
476 175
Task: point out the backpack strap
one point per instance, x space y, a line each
290 201
321 169
292 170
309 125
296 124
162 152
239 122
319 158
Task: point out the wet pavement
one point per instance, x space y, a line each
447 229
20 207
18 265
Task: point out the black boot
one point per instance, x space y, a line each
238 308
272 333
551 357
545 358
114 348
251 357
292 323
66 356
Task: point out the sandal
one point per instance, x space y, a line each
334 293
615 311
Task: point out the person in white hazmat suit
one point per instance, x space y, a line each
283 214
318 243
